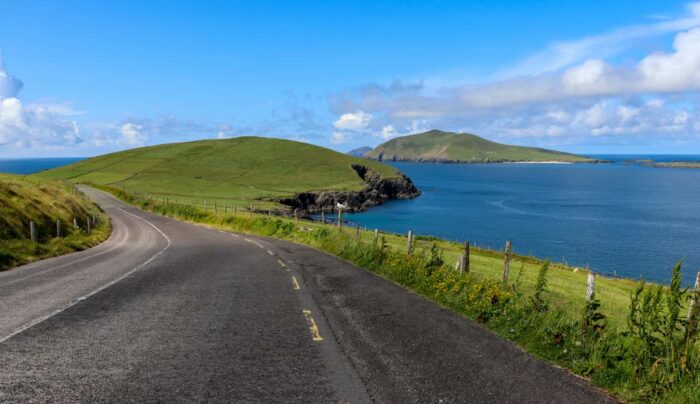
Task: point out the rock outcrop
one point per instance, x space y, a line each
377 191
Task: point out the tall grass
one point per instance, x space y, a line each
655 357
24 200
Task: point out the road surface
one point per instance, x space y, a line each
166 311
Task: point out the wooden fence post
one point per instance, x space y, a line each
75 223
409 242
89 225
464 263
32 231
215 209
58 228
323 219
357 231
340 218
694 310
296 218
269 212
590 290
235 209
376 236
506 266
251 210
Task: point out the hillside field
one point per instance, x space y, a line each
243 171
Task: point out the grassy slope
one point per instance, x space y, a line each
565 292
436 145
240 170
23 199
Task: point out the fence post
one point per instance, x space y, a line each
376 236
58 228
32 231
296 219
506 265
235 209
75 223
340 218
409 242
590 290
251 210
694 310
215 209
323 219
464 263
89 225
269 212
357 231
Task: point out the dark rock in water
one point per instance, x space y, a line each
377 191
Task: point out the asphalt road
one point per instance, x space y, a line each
166 311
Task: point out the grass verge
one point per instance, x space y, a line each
24 200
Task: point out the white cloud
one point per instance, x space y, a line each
356 121
566 53
9 86
133 134
339 138
33 124
661 72
659 95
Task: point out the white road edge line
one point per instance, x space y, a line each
270 252
94 292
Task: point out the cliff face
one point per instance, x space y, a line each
377 191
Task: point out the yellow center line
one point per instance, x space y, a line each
295 283
315 334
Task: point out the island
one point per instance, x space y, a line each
446 147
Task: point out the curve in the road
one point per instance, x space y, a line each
171 311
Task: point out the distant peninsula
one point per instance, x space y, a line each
360 151
436 146
666 164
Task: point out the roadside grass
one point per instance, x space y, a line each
631 339
240 171
24 199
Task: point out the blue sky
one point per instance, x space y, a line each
83 78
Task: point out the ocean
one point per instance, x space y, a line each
618 219
29 166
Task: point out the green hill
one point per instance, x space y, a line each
25 199
244 170
446 147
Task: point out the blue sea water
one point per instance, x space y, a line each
29 166
626 220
